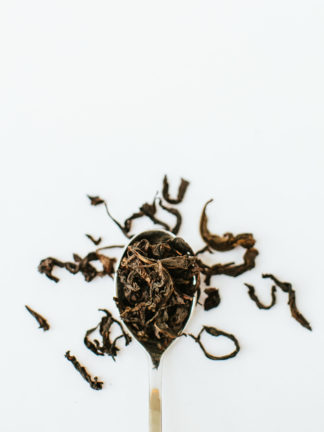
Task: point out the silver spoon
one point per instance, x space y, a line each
155 377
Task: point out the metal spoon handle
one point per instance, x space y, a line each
155 404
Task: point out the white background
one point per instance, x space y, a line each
105 97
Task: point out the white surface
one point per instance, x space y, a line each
104 98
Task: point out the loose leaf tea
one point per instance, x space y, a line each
93 382
147 209
181 191
176 213
94 241
231 269
107 346
80 265
160 281
95 200
41 320
47 265
287 288
254 297
226 242
215 332
213 298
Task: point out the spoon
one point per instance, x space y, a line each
155 377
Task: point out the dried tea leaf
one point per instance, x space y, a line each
215 332
254 297
176 213
41 320
213 298
230 269
93 382
203 250
181 191
158 283
95 200
108 265
94 241
287 288
149 210
47 265
81 265
226 242
107 346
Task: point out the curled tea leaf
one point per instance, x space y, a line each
226 242
287 288
215 332
47 265
149 210
175 213
94 241
230 269
181 191
254 297
107 345
80 265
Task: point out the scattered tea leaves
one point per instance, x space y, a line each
215 332
149 210
254 297
93 382
213 298
94 241
181 191
80 265
287 288
107 346
231 269
176 213
41 320
226 242
47 265
158 282
95 200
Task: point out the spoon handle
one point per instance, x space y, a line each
155 405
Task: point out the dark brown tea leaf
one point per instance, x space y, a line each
254 297
107 346
93 382
80 265
213 298
41 320
94 241
181 191
95 200
176 213
226 242
215 332
231 269
47 265
287 288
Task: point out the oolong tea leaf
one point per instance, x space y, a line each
161 280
